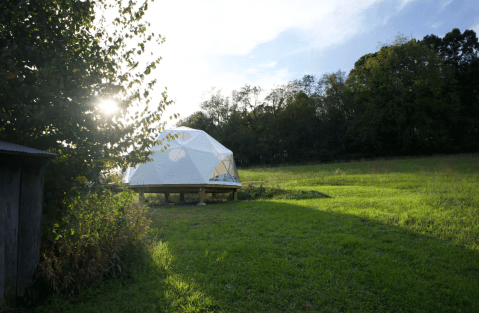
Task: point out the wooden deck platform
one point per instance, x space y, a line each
200 189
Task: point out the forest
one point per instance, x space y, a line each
412 97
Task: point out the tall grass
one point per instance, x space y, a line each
87 244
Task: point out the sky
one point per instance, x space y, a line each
228 44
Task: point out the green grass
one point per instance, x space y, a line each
378 236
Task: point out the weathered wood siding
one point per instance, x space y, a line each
21 197
10 194
29 222
2 244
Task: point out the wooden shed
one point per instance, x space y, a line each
21 204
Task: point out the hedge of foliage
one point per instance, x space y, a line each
88 242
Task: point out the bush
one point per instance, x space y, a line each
251 192
88 242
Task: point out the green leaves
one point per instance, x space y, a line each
54 75
88 243
400 98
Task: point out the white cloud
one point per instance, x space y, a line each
404 3
253 71
445 4
435 25
269 65
343 22
224 27
199 33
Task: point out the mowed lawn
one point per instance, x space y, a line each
376 236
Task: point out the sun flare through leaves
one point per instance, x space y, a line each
108 106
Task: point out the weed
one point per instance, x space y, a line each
88 242
252 192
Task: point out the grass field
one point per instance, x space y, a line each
377 236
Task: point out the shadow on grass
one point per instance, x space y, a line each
265 256
147 286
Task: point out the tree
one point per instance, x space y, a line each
58 60
298 140
217 107
197 120
333 110
400 102
461 50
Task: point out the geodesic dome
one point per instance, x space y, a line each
194 157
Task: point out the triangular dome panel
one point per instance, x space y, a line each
204 162
201 143
145 174
183 171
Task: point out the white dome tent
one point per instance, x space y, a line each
194 162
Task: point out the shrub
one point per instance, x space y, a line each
251 192
88 242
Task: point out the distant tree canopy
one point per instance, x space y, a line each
461 51
400 101
58 60
409 98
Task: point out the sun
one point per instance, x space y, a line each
108 106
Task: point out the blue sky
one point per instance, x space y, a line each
227 44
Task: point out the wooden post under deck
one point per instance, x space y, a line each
200 189
234 195
202 196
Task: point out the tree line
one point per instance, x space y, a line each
412 97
